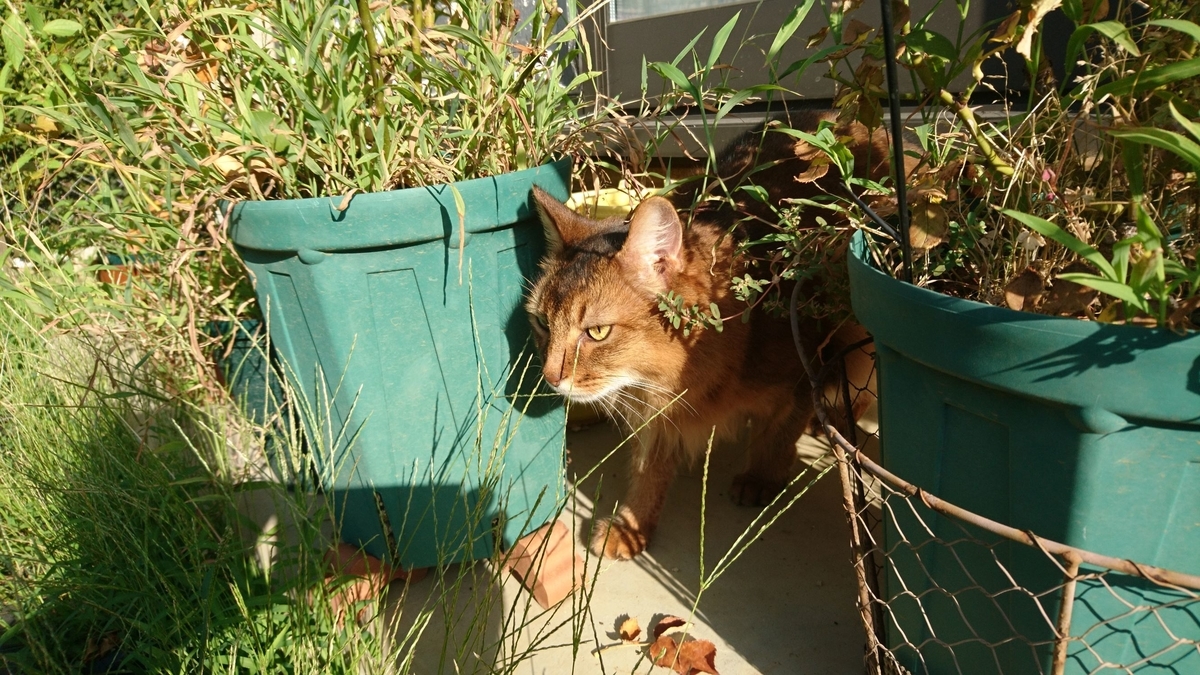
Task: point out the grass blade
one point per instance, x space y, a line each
719 40
1070 241
1152 78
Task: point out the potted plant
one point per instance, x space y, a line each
374 167
1072 410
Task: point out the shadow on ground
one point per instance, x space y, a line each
787 605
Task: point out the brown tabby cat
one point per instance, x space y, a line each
604 340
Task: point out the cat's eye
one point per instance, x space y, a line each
598 333
542 321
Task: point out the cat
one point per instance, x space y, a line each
604 340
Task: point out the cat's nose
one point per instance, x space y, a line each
555 369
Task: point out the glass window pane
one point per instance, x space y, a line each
623 10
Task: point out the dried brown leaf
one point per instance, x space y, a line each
855 31
95 649
1007 29
1037 11
805 151
1094 11
664 651
629 629
699 656
929 226
689 658
1067 298
901 13
1111 312
1023 292
817 38
667 623
1181 316
814 172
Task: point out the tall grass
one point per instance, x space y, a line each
122 546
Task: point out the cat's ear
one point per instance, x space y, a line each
653 249
562 225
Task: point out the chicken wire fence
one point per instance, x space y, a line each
945 590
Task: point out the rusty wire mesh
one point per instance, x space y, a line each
944 590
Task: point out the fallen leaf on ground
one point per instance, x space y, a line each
630 630
698 655
664 651
693 656
667 623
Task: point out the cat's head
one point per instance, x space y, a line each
594 309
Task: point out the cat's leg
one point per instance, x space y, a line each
772 452
626 534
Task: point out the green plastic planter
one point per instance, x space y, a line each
415 380
1080 432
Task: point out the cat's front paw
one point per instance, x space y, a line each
616 539
751 490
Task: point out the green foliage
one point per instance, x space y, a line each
120 531
687 318
166 109
1104 165
286 100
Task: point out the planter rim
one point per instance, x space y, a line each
394 217
1129 371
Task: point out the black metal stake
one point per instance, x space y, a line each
889 46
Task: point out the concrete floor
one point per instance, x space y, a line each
786 606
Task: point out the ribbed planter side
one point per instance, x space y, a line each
1081 432
415 378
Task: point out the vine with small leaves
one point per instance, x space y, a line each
689 318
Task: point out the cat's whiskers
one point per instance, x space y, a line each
615 404
671 398
636 406
646 410
608 403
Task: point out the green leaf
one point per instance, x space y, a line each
756 191
126 133
714 310
1073 9
1190 126
1113 30
13 33
929 42
687 48
787 30
1186 148
722 36
582 78
35 16
676 76
744 94
1108 287
62 27
1186 27
800 66
1070 241
1118 33
1120 258
1150 79
185 156
1148 270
